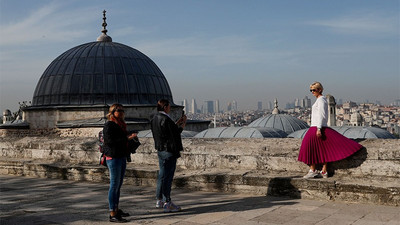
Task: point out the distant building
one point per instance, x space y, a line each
234 105
185 105
331 111
306 102
209 107
259 106
216 109
296 102
193 108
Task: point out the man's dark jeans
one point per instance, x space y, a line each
167 163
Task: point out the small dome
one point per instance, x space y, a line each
149 134
7 112
287 123
356 117
352 132
241 132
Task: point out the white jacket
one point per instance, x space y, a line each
319 113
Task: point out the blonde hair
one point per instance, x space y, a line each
317 85
112 110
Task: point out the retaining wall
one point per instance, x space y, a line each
380 157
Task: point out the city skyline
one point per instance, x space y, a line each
305 102
226 50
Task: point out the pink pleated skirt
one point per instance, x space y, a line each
330 148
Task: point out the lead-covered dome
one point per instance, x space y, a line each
284 122
99 73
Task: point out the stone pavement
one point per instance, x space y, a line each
26 200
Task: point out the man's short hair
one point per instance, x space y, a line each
161 104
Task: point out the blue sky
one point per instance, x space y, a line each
247 51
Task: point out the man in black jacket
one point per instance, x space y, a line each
167 141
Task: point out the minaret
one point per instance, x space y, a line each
104 37
332 110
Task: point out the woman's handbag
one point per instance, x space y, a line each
103 160
132 146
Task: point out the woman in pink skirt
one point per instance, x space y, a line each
322 144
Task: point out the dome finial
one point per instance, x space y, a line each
276 110
104 36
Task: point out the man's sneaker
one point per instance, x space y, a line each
312 174
324 175
122 213
160 204
171 207
117 219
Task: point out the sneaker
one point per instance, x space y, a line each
122 213
312 174
117 219
160 204
324 175
171 207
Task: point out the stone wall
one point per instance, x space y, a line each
380 157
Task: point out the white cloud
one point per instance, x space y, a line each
369 23
49 23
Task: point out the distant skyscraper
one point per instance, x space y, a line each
270 106
306 102
234 106
259 106
193 108
296 102
209 107
185 105
216 109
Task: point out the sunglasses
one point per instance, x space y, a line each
313 90
120 110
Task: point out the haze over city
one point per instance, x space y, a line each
247 51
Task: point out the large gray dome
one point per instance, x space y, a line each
284 122
99 73
241 132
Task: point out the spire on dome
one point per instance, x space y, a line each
104 36
276 110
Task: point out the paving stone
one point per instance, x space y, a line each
41 201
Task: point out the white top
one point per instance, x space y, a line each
319 113
162 112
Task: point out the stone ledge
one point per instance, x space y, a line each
375 190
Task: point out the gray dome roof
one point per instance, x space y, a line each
284 122
241 132
99 73
149 134
352 132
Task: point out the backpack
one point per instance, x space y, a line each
101 144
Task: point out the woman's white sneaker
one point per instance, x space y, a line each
312 174
324 175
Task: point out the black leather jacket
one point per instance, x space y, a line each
166 134
115 141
